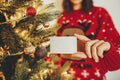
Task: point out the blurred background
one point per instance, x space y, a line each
112 7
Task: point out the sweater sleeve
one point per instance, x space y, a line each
108 32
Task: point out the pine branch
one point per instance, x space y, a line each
9 38
45 8
18 53
47 16
21 70
43 36
8 5
15 37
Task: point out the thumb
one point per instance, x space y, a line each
81 55
82 37
78 56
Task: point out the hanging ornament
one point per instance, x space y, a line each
31 11
46 24
40 53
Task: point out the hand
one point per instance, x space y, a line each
94 48
75 56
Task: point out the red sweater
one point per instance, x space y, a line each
101 27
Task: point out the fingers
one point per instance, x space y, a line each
66 56
105 46
81 55
88 46
81 37
78 56
95 48
75 56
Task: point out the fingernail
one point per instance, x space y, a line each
90 56
101 56
85 56
96 60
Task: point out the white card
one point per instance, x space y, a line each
63 45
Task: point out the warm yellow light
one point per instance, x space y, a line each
24 33
17 30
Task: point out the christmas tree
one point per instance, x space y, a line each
24 41
25 21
